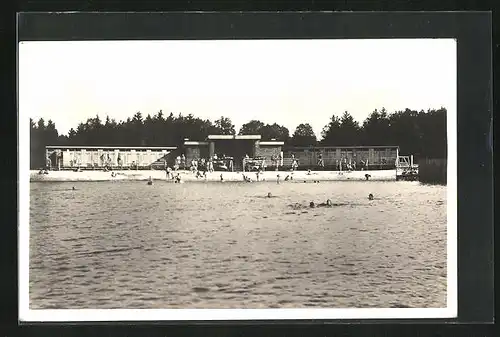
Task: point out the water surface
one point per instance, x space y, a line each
116 245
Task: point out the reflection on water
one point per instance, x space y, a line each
226 245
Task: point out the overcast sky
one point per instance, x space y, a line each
284 81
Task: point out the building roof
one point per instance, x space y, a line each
272 142
223 137
113 147
193 142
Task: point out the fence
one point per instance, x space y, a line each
432 171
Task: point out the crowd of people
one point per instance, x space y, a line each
199 166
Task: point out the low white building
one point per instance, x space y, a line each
91 157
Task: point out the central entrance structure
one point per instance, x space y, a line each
235 146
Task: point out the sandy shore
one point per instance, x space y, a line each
187 176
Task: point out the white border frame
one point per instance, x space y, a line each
28 315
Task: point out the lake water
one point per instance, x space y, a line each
116 245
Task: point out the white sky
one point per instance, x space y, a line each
284 81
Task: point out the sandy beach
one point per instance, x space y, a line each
187 176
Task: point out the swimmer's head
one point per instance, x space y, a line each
74 188
311 204
328 202
370 196
269 195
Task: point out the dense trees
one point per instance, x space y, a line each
421 133
267 131
303 136
342 131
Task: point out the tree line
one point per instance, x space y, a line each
421 133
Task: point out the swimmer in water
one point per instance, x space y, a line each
328 203
269 195
311 204
370 196
278 179
287 178
74 189
221 178
367 176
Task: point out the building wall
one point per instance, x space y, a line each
267 151
192 152
375 157
92 158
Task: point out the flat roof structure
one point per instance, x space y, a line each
272 143
114 147
226 137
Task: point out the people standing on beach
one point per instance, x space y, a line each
295 163
258 175
221 178
320 161
168 172
278 179
275 161
183 162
